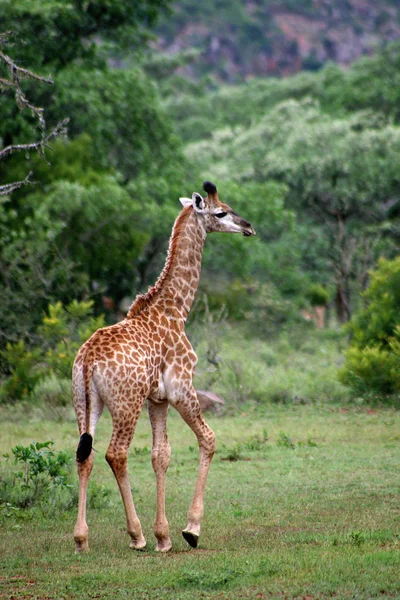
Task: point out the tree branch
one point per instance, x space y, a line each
58 130
10 187
17 74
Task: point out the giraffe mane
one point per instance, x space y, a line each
144 300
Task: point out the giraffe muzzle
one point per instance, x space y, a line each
247 229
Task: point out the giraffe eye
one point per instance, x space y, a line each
220 215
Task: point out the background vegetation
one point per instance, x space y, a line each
298 329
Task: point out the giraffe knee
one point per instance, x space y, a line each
208 442
117 459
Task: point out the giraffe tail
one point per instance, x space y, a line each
84 447
86 440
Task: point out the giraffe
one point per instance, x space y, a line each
148 356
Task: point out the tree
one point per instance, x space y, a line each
73 31
342 173
55 236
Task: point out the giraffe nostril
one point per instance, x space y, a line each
244 223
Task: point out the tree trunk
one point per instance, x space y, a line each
342 268
341 302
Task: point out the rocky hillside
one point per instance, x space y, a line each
241 38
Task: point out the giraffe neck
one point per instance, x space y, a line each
179 279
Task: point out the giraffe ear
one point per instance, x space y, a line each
185 201
198 202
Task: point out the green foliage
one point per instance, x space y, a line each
285 441
341 180
369 84
371 370
256 443
62 332
293 368
68 30
38 458
25 372
194 578
42 471
317 295
376 323
121 112
373 359
52 241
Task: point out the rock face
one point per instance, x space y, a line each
248 38
209 401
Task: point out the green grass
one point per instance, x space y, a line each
299 366
309 508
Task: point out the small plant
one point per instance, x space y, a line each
253 444
357 538
233 454
285 441
98 496
145 451
8 511
43 471
38 458
205 580
256 442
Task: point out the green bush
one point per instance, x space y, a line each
372 370
41 474
25 373
317 295
62 331
373 359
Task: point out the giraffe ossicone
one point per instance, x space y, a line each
148 356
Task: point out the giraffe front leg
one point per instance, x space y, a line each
160 457
189 409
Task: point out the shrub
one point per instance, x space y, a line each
62 332
42 472
317 295
372 369
25 372
373 359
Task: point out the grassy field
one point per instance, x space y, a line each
302 502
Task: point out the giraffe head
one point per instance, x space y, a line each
214 214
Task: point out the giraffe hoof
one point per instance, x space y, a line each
138 544
81 546
165 546
191 538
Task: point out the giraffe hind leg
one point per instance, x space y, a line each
124 425
85 459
